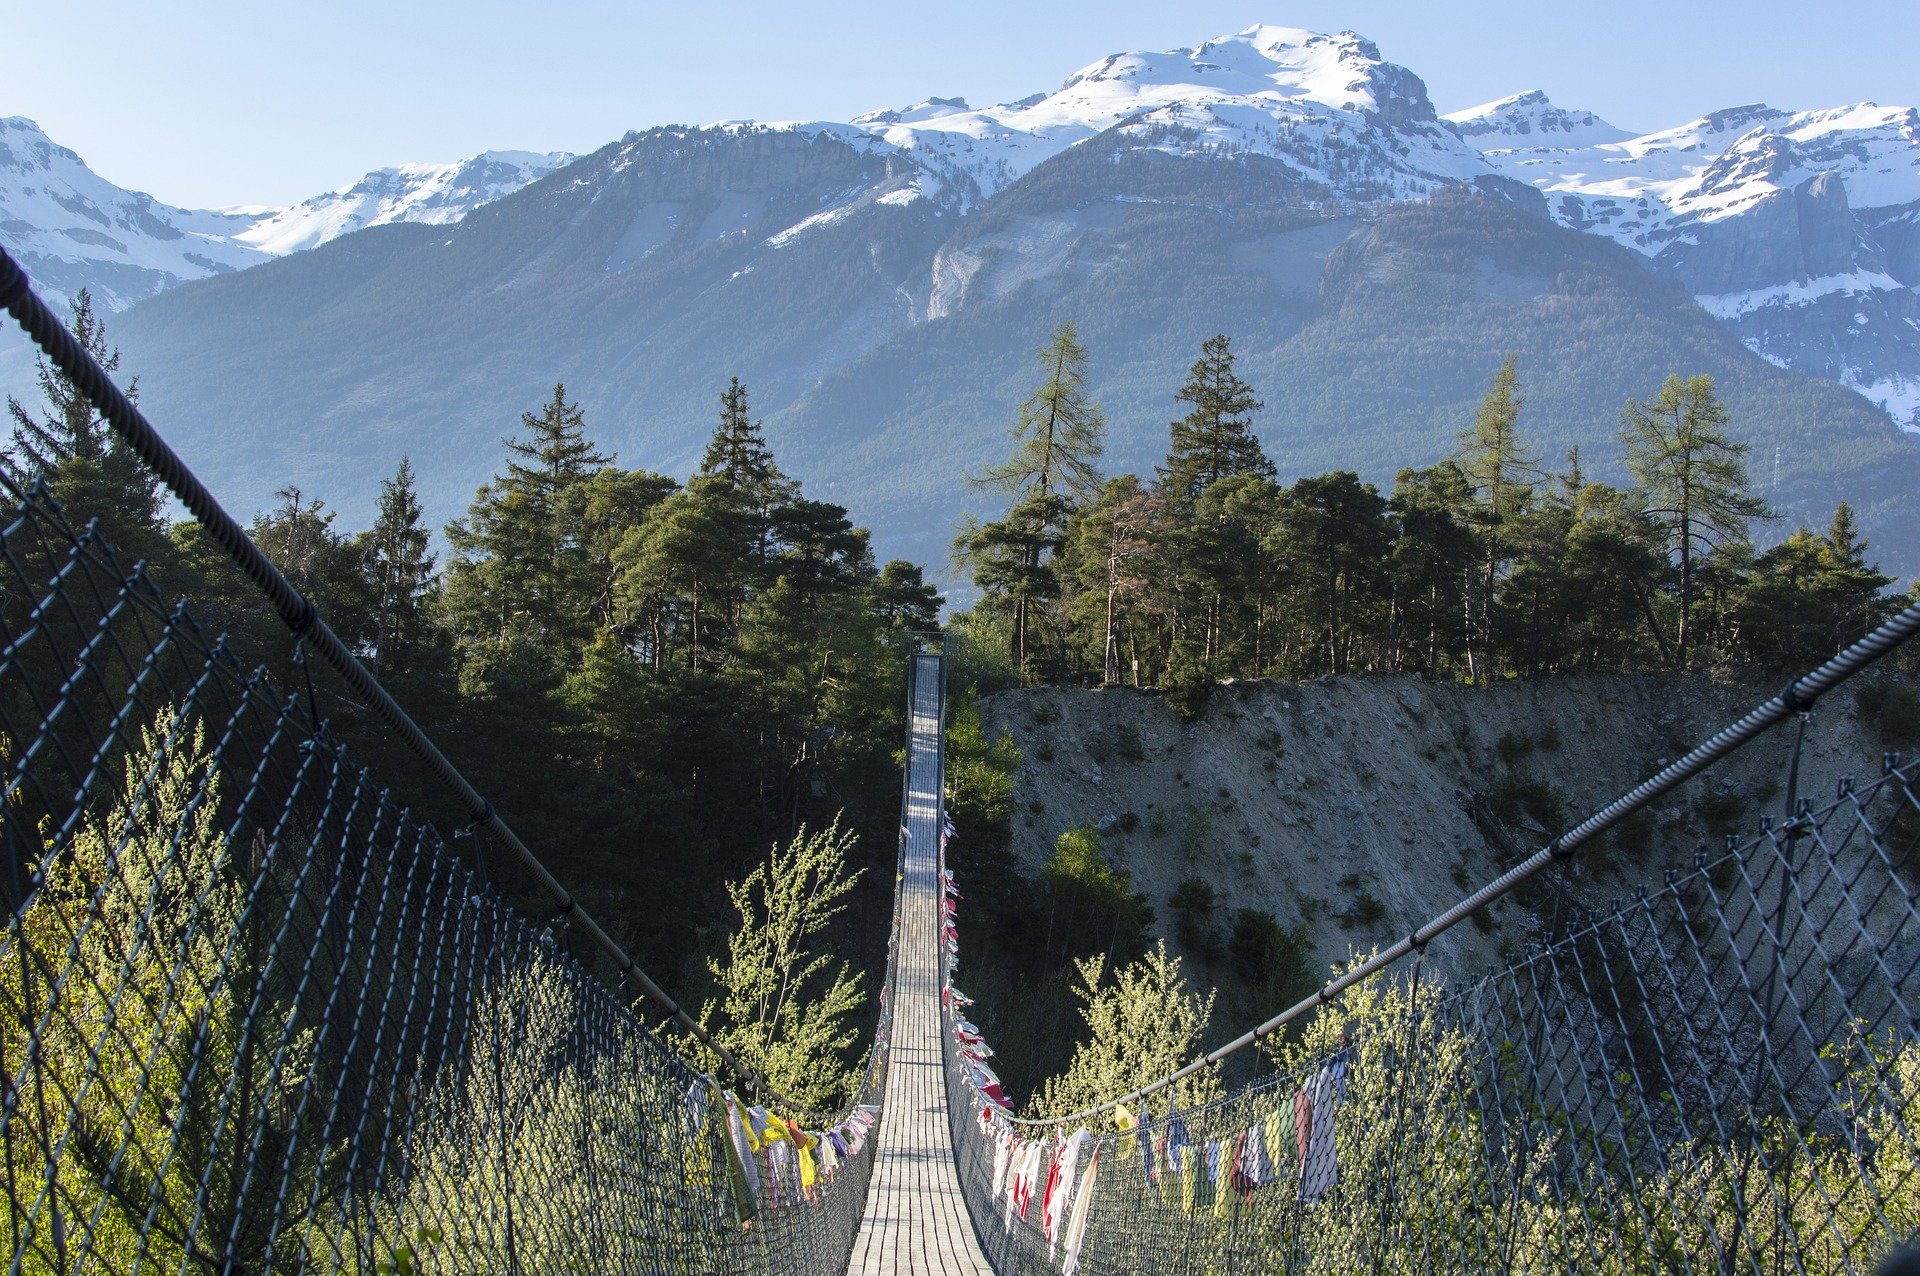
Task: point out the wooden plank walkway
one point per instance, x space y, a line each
916 1221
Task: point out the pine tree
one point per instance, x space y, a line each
1432 559
1695 477
85 466
902 599
1215 439
1502 470
520 560
751 481
1011 559
1332 541
395 552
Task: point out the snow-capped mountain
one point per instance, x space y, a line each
435 194
1801 231
72 228
1359 128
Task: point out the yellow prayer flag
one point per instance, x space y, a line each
1123 1121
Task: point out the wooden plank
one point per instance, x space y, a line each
916 1220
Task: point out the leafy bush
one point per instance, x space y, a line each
1515 798
1512 746
1272 958
1365 910
1192 902
1196 833
1129 743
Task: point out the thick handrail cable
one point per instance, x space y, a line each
39 322
1798 696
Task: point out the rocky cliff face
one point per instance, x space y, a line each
1359 808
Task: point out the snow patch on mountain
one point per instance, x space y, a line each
1530 115
1735 305
1792 227
433 194
1900 396
1317 102
71 228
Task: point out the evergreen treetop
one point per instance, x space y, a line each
738 453
555 454
1215 439
1060 433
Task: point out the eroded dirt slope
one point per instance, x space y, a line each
1357 808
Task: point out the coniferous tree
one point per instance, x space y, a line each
1332 540
902 598
675 573
1502 470
1695 476
1215 438
1109 541
76 454
1432 561
397 559
1058 440
298 536
750 485
1060 433
520 562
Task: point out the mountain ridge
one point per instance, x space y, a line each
1232 186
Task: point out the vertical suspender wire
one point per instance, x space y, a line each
1530 1082
1790 833
501 1108
1395 1139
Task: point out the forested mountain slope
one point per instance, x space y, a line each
890 342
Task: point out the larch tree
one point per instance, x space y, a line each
1695 477
1503 472
1060 433
1058 440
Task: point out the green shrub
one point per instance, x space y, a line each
1365 910
1900 718
1722 811
1515 798
1192 902
1272 958
1196 834
1129 743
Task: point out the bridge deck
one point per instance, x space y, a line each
916 1221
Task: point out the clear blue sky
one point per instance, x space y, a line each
215 103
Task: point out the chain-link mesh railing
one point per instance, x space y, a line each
1718 1075
258 1014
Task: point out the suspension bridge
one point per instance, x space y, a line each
263 1013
